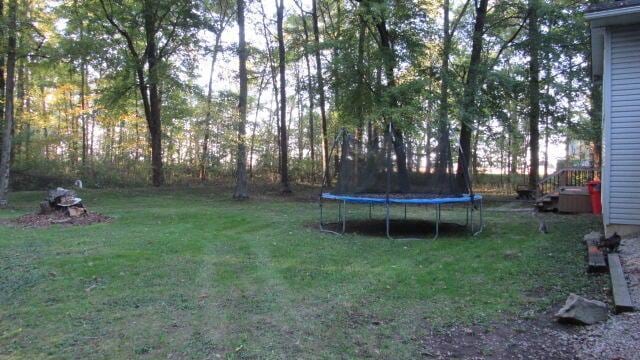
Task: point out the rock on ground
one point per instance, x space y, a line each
583 311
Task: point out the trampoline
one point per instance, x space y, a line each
374 177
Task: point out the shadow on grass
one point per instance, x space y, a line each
400 228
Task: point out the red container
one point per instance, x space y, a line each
596 198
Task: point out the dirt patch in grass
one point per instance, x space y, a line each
539 338
56 218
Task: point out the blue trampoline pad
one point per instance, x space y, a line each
364 199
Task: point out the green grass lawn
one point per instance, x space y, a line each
190 273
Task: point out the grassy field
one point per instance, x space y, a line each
189 273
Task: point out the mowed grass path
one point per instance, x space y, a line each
190 273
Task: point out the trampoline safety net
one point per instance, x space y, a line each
378 167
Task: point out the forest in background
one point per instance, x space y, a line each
144 92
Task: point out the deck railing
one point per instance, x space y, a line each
578 176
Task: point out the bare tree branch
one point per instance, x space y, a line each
458 19
506 44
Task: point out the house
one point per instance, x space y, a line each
615 31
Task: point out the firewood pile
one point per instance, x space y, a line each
63 201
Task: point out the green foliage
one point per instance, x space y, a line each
62 43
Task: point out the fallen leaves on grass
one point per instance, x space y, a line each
44 221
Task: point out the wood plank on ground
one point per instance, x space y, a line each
621 296
597 263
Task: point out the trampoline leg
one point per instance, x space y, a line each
467 223
405 211
322 229
437 222
481 220
341 217
472 228
344 217
370 206
387 222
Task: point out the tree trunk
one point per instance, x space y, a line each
18 116
9 112
547 115
2 82
389 61
321 94
310 91
284 145
474 157
255 124
83 103
468 109
427 149
155 101
27 122
534 92
241 190
207 120
443 121
362 33
596 115
300 115
274 82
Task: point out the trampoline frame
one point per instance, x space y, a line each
470 203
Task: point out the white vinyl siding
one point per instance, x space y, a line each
622 112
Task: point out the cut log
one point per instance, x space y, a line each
76 211
45 208
621 296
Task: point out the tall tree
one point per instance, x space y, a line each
221 16
595 113
389 61
241 190
164 27
310 88
5 157
311 92
534 91
443 155
2 69
321 92
284 143
468 109
83 88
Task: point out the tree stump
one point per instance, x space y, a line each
45 208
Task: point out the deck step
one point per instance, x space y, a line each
621 296
597 263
